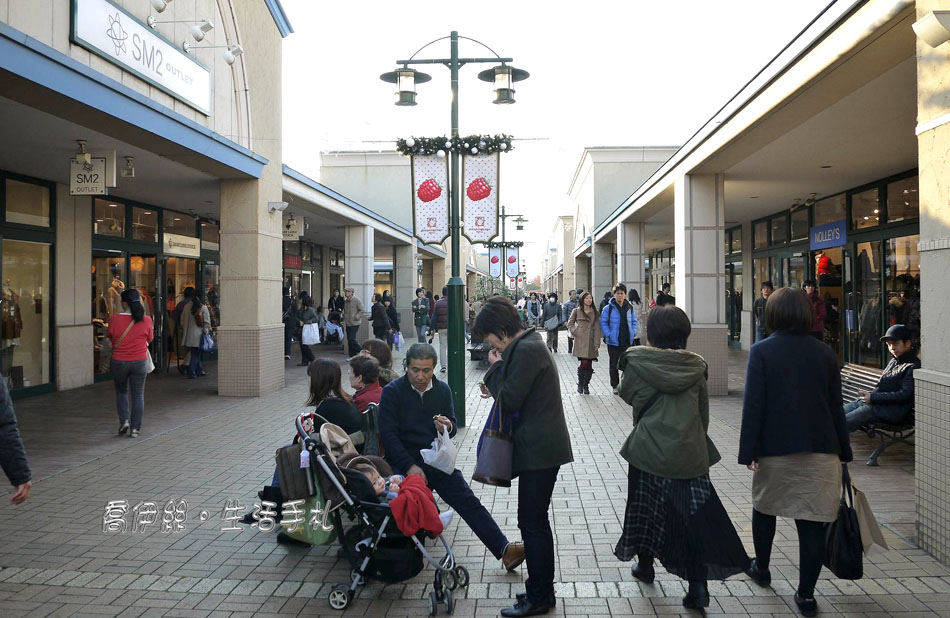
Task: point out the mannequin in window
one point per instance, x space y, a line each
11 324
114 294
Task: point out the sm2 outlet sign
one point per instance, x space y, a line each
87 178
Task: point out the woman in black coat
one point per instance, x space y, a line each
793 438
382 328
524 381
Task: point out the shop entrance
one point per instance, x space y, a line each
113 272
178 273
831 267
734 301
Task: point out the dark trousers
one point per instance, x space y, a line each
306 354
195 366
615 352
384 335
535 488
811 538
354 346
570 345
552 339
288 337
126 374
453 489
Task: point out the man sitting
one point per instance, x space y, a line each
412 409
893 397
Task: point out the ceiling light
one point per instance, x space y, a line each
147 212
824 167
875 211
179 219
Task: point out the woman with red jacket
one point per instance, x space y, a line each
818 304
130 333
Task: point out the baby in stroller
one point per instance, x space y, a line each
387 490
334 328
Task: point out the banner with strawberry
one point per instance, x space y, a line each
430 198
480 197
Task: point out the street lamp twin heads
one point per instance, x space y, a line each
502 76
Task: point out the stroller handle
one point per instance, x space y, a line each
308 442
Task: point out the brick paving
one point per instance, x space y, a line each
56 561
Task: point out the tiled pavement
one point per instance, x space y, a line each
57 561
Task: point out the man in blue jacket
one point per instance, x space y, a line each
412 408
618 320
893 397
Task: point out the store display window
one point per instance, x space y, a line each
109 218
145 224
902 283
179 223
799 225
210 236
830 209
902 200
25 314
866 209
27 203
760 234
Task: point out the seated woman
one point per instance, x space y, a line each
364 379
378 349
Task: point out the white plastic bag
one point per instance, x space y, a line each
311 334
443 453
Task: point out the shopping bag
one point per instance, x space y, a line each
397 341
843 549
149 365
308 521
495 451
872 537
207 343
311 334
443 453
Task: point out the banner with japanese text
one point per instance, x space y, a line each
480 196
430 198
494 261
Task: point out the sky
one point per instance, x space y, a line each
603 73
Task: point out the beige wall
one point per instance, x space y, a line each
73 354
379 181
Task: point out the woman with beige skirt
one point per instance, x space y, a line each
793 438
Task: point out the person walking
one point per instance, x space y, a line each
289 318
566 310
393 316
584 326
440 322
673 512
817 329
196 321
12 453
618 321
793 438
758 311
306 315
420 313
551 320
130 332
664 297
532 310
352 319
638 311
431 304
524 382
382 328
603 303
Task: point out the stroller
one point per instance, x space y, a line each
334 326
372 543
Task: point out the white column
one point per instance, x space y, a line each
582 273
359 255
602 270
699 233
631 249
404 264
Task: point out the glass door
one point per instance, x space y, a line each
734 301
179 273
109 279
828 266
867 305
143 276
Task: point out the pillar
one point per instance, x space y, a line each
699 233
582 273
602 270
631 249
427 278
404 265
932 389
73 250
749 294
440 275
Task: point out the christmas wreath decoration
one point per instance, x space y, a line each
468 145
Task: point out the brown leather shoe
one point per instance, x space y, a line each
514 556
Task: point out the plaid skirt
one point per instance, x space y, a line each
682 523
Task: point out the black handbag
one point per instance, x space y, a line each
843 548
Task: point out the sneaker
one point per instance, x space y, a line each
134 433
124 427
446 517
286 356
616 392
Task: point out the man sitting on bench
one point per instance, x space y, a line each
893 398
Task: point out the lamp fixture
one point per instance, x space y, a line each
405 80
160 5
503 77
129 170
82 156
933 28
277 206
197 31
811 199
230 53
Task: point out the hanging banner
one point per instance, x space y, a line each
480 196
494 261
512 266
430 198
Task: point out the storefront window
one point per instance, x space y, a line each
779 229
734 299
761 235
27 204
902 281
211 275
793 271
307 253
760 272
210 236
108 283
178 223
830 209
144 224
866 302
865 209
799 225
736 240
902 200
292 248
25 314
110 219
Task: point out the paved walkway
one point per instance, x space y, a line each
56 560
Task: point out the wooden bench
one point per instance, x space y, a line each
855 378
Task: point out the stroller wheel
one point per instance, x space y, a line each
461 573
433 604
360 580
449 602
451 581
340 597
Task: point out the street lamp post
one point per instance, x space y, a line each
503 77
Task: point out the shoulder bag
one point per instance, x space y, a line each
843 548
495 451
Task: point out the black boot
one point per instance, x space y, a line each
697 596
581 373
644 569
587 377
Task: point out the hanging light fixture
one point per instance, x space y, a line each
503 77
405 80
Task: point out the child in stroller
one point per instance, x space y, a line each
371 540
387 490
334 328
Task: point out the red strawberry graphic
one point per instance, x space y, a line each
429 190
478 189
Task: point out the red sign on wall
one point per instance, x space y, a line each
293 261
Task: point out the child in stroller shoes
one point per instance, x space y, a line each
388 490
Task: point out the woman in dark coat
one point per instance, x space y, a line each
524 381
793 437
382 328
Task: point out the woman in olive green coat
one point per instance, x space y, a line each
673 512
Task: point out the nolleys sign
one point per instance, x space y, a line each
834 234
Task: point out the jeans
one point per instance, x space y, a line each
195 366
125 373
811 537
288 337
444 348
421 329
306 354
354 346
615 352
858 413
453 489
535 488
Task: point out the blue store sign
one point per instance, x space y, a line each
829 235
